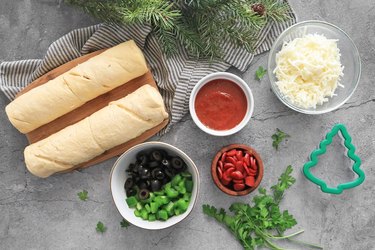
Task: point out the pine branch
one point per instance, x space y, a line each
200 26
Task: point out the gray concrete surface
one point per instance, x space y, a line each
46 213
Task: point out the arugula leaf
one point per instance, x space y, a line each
83 195
124 223
100 227
278 137
253 224
259 74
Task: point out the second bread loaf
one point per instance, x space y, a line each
119 122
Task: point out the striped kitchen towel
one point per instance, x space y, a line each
175 75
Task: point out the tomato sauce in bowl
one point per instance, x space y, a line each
220 104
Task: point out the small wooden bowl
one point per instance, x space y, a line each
227 190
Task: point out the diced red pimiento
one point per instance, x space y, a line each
239 155
250 181
237 175
223 156
225 182
246 159
238 181
239 166
247 170
230 160
252 172
221 165
229 172
253 164
228 165
219 173
237 169
226 177
239 186
232 152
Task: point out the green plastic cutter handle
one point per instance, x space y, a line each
351 154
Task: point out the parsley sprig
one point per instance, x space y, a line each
83 195
278 137
259 74
100 227
124 223
253 225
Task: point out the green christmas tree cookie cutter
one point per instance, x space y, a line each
322 150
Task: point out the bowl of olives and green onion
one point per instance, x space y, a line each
154 185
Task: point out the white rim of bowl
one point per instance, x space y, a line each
235 79
299 109
179 151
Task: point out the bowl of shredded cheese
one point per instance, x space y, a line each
314 67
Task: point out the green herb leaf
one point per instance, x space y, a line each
278 137
124 223
285 181
259 74
100 227
254 224
83 195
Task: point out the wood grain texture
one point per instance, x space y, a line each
89 108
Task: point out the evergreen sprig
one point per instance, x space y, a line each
200 26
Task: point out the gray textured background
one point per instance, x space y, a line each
46 213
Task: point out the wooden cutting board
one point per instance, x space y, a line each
91 107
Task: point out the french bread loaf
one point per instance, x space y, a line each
115 124
75 87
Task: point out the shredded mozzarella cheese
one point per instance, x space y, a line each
308 70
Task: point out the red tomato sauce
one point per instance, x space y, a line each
220 104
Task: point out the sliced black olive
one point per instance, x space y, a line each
129 183
165 163
153 164
145 173
140 169
156 155
169 172
155 185
137 178
142 158
154 172
142 184
177 163
136 168
184 168
160 175
131 167
143 194
157 173
165 180
131 192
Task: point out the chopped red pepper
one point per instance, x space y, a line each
230 159
220 173
239 155
250 181
246 159
232 152
239 186
223 156
238 181
237 175
228 165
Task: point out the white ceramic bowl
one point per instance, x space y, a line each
118 177
235 79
